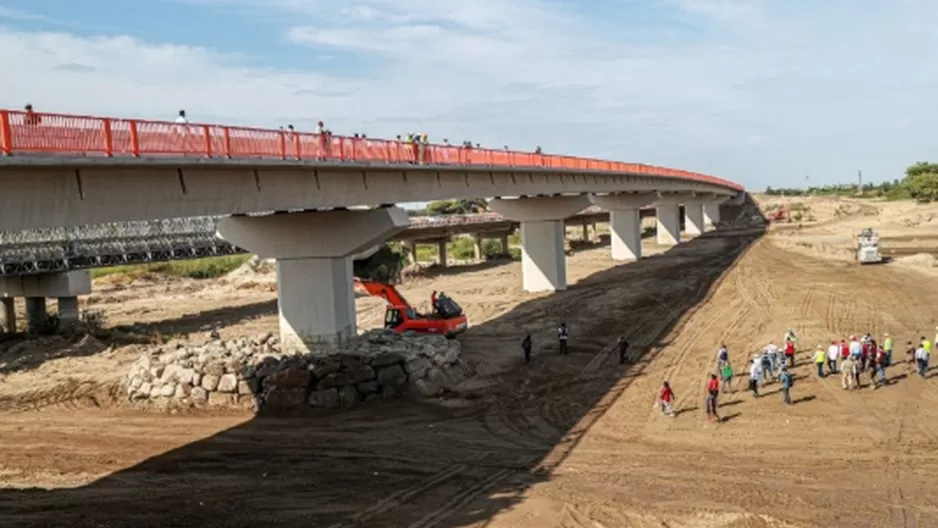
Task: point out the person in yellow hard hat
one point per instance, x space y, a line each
820 359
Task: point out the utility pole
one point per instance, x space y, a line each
859 181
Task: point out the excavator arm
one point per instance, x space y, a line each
380 289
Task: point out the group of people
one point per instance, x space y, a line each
854 357
850 358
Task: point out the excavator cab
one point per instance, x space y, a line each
447 308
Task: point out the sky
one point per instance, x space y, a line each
762 92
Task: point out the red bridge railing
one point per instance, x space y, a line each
61 134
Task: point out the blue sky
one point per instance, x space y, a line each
763 92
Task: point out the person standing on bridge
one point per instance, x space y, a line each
562 335
526 346
713 392
181 118
623 345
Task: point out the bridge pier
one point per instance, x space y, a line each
64 286
625 222
693 218
668 219
9 314
543 260
314 250
711 210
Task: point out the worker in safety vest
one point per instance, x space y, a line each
562 335
887 349
820 358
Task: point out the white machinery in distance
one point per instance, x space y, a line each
867 247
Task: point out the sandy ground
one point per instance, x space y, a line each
567 441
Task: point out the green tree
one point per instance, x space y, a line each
384 265
921 181
455 207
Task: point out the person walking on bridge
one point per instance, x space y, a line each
526 347
562 335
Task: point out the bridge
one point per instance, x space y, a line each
64 170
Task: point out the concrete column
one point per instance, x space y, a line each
411 247
543 262
9 314
444 259
669 224
626 227
36 313
586 232
693 218
314 253
477 247
711 213
317 309
625 222
68 312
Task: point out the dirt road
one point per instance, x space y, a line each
566 442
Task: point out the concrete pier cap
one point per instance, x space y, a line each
625 222
314 252
543 262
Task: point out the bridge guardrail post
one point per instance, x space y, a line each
108 138
208 141
134 139
6 134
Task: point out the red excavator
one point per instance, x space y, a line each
447 318
782 213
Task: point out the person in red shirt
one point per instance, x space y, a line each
665 397
713 391
844 349
790 353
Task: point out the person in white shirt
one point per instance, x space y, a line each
832 352
921 358
755 375
774 357
181 118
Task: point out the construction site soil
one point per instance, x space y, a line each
565 441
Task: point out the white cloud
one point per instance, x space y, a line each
754 90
